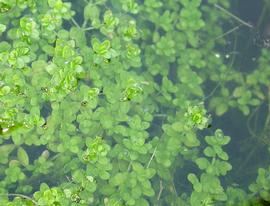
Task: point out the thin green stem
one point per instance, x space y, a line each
250 130
260 137
160 115
75 22
160 190
247 159
84 23
267 121
21 196
152 157
265 8
89 28
233 16
228 32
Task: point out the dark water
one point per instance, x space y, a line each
246 153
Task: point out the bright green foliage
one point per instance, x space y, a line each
65 69
196 117
109 23
137 184
41 165
28 29
130 6
261 186
104 103
6 150
91 13
165 46
60 8
81 189
2 28
220 105
103 50
207 190
219 139
217 165
96 149
50 196
133 89
22 156
19 57
4 7
237 197
130 32
13 174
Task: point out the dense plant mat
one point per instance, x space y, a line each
110 103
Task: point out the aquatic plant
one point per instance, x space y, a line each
107 102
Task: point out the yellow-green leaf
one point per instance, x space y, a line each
221 109
6 149
22 156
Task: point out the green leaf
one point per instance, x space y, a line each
91 12
200 198
244 109
4 7
221 109
222 167
22 156
5 150
104 175
118 179
209 152
191 140
218 139
193 179
202 163
254 102
238 91
137 167
147 188
220 153
2 28
78 35
150 172
142 202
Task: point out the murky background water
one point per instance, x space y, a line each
246 153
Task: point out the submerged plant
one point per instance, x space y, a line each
196 117
105 103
